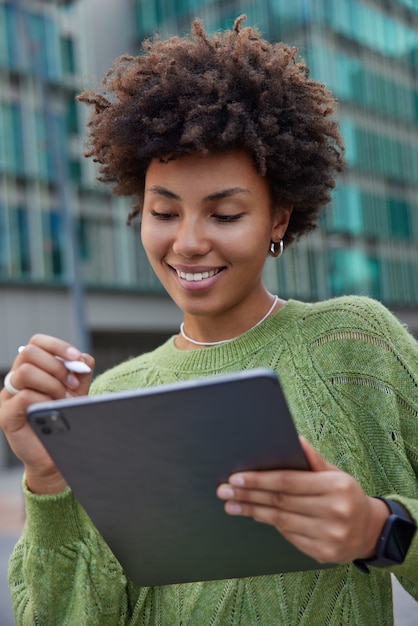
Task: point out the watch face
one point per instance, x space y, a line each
398 539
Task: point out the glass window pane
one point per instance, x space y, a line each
67 55
41 146
4 241
53 243
22 223
4 52
11 147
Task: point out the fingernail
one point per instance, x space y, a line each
237 480
72 381
225 492
233 508
73 353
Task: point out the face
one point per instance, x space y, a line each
207 225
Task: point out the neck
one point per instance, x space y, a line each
217 343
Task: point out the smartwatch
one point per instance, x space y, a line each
394 541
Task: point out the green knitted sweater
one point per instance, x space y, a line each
350 374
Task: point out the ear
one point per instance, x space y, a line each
280 222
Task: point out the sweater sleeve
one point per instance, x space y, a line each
368 363
405 380
61 570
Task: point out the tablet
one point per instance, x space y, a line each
145 465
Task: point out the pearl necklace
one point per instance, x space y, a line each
218 343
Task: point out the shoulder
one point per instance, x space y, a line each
356 332
357 307
348 314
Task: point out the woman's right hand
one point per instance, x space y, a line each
39 377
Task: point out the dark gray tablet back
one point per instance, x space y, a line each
145 466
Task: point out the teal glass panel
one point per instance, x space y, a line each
53 244
34 30
4 242
399 220
52 49
375 216
75 171
82 235
352 271
149 16
336 17
315 270
12 38
11 144
57 146
41 146
43 44
72 117
51 143
350 140
371 26
360 213
351 80
4 48
379 154
412 4
67 55
346 214
400 281
15 241
24 247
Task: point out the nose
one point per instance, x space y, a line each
191 238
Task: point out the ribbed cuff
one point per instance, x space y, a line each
53 520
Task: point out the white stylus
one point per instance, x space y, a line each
78 367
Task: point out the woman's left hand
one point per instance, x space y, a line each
323 512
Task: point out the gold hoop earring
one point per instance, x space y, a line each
276 249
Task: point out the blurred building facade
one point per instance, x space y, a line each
69 265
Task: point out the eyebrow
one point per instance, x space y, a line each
217 195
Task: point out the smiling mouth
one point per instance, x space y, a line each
197 276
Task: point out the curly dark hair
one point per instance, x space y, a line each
201 94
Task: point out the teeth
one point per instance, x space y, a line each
196 277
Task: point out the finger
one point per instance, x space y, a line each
85 379
300 504
290 524
296 482
13 412
46 361
28 376
299 530
324 541
286 522
316 462
41 358
55 346
31 357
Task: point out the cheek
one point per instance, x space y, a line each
251 245
152 241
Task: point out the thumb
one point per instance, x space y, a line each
316 462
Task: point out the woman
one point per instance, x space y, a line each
230 151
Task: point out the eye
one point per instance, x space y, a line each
228 218
164 217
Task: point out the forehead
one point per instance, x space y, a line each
228 169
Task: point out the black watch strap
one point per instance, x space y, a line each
395 508
394 540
